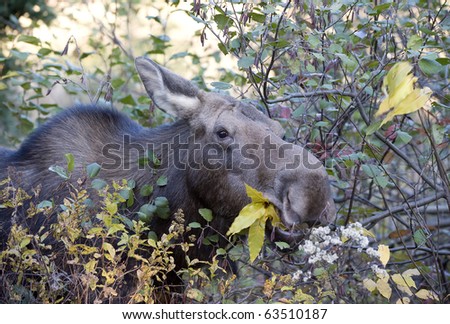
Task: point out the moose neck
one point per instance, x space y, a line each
166 159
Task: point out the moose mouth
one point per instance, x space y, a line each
293 229
293 235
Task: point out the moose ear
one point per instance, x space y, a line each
170 92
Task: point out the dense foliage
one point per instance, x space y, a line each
318 68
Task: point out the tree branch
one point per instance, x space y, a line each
371 221
312 94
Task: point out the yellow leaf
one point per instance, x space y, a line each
259 207
255 195
90 266
247 216
405 279
384 288
368 233
195 294
396 74
111 208
109 276
369 284
256 237
396 95
413 102
405 290
111 251
272 214
385 254
383 275
411 272
400 96
426 294
254 216
403 300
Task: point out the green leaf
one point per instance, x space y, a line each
163 212
221 85
98 184
282 245
22 56
371 170
29 39
146 190
402 138
245 62
45 204
195 225
59 171
70 162
380 8
222 21
93 169
146 212
438 132
223 48
372 128
420 237
125 193
161 202
128 100
152 236
415 42
429 66
162 181
44 51
221 251
443 60
117 83
206 214
258 17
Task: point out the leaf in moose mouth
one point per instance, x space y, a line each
254 217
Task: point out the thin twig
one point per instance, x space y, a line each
312 94
371 221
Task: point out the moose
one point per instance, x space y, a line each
216 145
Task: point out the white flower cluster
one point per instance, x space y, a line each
321 241
354 232
381 273
300 274
373 253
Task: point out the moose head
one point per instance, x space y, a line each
232 144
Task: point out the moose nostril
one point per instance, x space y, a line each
292 208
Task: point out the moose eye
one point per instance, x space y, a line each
222 134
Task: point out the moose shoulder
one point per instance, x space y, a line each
216 146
